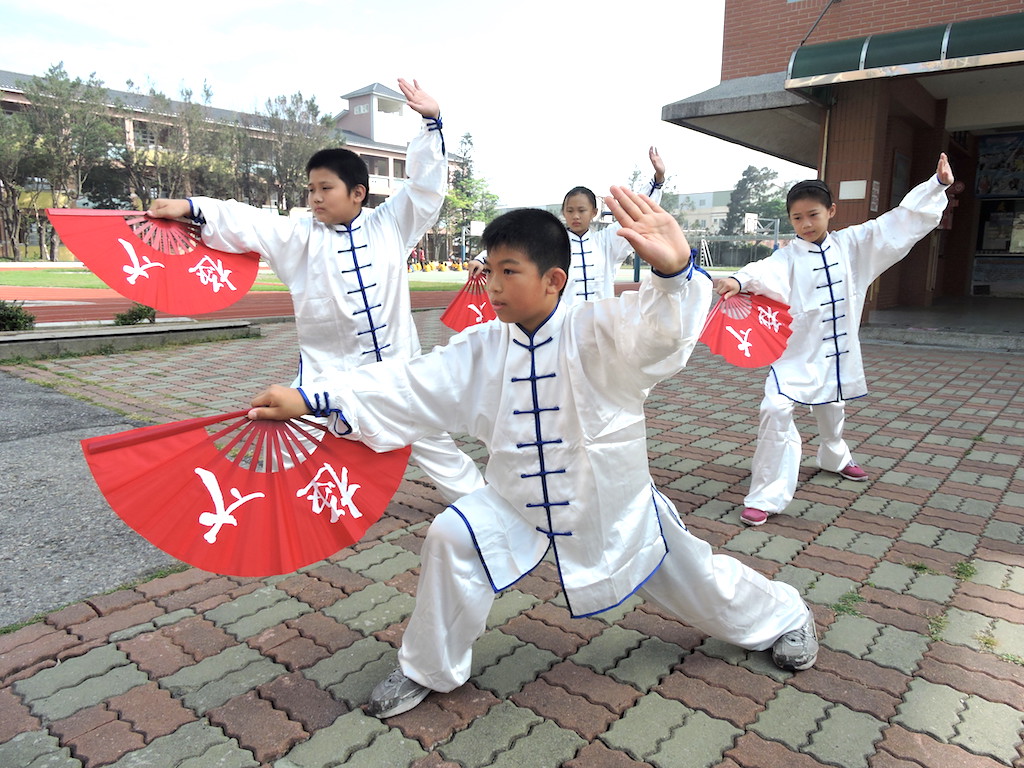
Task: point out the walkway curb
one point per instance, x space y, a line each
34 345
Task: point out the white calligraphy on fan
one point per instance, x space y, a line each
326 490
212 273
479 312
137 269
769 319
222 516
744 345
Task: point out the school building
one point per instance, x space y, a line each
376 125
867 93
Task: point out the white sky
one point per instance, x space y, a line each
554 94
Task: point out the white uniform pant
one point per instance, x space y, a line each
714 593
776 464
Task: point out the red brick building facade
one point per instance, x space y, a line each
867 93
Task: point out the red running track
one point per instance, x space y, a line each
80 305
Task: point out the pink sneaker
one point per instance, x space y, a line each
753 516
852 472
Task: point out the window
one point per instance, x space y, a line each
360 109
378 165
145 135
399 169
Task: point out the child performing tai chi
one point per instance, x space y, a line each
346 269
824 277
556 393
596 254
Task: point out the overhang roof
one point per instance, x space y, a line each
755 112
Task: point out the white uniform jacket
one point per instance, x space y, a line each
825 286
349 284
561 413
597 256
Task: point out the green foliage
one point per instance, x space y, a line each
937 625
757 192
964 570
136 314
469 198
14 317
846 605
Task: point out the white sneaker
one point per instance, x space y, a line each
798 649
396 694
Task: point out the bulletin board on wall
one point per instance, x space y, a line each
1000 166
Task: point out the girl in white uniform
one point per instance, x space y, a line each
596 254
556 393
824 277
346 268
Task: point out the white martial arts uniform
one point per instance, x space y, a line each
825 286
350 284
597 256
561 412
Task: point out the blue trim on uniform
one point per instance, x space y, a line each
436 124
197 218
583 266
655 493
373 327
831 302
323 410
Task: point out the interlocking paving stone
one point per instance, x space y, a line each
36 749
193 745
258 727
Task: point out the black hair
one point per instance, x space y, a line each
580 191
536 233
345 164
812 189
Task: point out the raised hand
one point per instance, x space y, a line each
654 234
418 99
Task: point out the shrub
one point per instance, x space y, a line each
135 315
14 317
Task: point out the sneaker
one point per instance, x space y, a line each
753 516
798 649
852 472
396 694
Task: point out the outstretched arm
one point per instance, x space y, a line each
418 99
654 234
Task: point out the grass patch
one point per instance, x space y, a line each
846 605
937 625
920 568
964 570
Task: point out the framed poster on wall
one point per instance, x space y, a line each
1001 165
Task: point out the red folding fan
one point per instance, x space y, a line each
470 305
161 263
245 498
748 330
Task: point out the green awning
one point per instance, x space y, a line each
949 47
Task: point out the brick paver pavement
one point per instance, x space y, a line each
916 579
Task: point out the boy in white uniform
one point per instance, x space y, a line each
346 269
824 278
557 394
596 254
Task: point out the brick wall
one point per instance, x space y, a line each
760 35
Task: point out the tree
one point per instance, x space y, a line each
753 193
296 130
16 138
74 136
469 198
